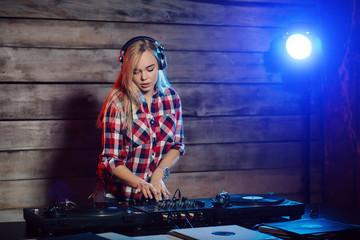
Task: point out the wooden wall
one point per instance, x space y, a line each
245 126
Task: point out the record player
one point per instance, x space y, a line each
68 217
258 207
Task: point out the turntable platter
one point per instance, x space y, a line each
110 211
256 199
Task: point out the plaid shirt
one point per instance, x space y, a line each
154 133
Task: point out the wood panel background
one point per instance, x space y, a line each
246 128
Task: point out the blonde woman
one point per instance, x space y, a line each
142 127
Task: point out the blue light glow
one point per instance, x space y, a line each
298 46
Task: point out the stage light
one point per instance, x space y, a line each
299 46
295 51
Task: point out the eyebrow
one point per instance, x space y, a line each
150 66
145 67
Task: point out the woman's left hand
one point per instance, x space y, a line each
161 189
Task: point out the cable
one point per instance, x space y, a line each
171 222
189 222
179 193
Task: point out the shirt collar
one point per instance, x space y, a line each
142 97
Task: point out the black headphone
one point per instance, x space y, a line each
159 50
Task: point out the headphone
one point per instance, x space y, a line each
159 50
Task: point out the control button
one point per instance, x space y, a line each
165 217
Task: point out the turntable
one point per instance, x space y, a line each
244 207
68 217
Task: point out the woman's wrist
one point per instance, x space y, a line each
139 183
158 174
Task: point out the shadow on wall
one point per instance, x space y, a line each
73 171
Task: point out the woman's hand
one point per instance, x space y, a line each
161 189
147 189
158 183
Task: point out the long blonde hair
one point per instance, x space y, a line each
129 93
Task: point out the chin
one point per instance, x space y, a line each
144 90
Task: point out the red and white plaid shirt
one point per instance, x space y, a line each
154 133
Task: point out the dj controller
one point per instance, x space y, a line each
68 217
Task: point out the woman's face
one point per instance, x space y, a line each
145 73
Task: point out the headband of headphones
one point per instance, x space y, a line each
160 55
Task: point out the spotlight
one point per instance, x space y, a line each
295 51
299 46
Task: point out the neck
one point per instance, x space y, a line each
149 95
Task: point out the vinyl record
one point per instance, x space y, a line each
313 226
256 199
97 209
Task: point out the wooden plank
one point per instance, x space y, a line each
29 193
220 67
67 163
102 65
43 192
80 101
81 34
316 171
41 164
240 156
299 197
208 184
58 65
180 12
54 101
239 100
11 215
315 197
63 134
244 129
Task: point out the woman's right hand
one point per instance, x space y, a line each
147 189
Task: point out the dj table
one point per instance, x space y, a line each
151 218
68 217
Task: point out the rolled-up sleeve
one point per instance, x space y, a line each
114 151
178 143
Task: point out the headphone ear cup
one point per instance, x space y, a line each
162 61
121 58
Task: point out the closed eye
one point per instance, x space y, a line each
150 68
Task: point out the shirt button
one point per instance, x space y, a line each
152 122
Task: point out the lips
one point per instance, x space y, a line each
145 85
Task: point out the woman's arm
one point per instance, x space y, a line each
114 151
172 156
129 178
168 161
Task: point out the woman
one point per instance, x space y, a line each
142 127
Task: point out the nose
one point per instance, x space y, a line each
144 75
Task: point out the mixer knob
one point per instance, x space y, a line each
165 217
